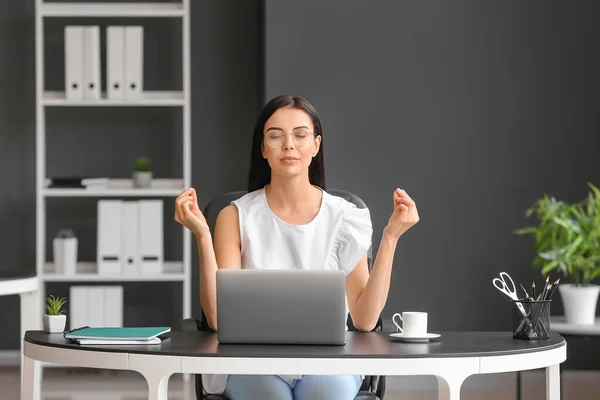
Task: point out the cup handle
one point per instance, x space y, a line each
395 323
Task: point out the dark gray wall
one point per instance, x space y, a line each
474 108
104 141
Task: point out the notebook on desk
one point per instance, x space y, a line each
116 335
281 306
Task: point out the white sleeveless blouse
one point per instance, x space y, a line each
336 239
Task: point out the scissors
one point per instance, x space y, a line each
502 284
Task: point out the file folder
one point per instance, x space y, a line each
151 236
134 55
109 237
78 306
113 306
119 342
73 62
129 237
91 62
115 62
95 307
135 333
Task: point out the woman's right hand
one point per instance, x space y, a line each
188 214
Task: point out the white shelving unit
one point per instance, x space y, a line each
179 271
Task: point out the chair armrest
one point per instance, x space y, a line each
191 325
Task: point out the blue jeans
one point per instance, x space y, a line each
272 387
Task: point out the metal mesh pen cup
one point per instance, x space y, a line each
532 319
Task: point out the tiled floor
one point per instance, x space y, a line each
88 384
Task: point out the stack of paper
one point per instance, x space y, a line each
142 335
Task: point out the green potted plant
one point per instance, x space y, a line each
142 173
54 319
567 240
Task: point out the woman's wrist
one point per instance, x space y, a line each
389 237
203 237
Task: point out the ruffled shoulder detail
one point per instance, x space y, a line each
353 238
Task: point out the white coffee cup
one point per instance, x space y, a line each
414 323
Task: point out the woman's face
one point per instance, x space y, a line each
289 143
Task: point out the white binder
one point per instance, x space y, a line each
91 62
115 62
113 306
129 237
134 56
78 307
109 237
74 62
151 236
95 306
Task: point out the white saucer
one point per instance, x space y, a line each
414 339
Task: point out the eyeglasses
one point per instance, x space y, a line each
301 137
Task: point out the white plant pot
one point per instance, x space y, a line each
579 303
142 179
65 255
55 323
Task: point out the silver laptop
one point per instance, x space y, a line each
281 307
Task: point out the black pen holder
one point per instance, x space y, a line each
532 319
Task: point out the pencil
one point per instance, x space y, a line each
548 291
541 296
553 288
533 289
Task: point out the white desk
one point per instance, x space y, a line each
451 359
27 289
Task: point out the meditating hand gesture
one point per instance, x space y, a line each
404 216
188 214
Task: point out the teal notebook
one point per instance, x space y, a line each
145 333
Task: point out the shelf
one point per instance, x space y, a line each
120 188
149 98
113 9
86 272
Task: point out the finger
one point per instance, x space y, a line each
187 207
400 200
404 196
184 199
183 206
185 193
402 193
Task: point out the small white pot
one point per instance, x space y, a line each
55 323
579 303
142 179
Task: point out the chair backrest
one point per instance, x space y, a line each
214 207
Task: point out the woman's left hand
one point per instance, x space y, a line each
404 216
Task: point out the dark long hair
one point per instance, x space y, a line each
260 171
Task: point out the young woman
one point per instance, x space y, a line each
288 220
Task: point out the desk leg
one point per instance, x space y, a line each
553 382
30 320
31 380
157 371
158 388
449 387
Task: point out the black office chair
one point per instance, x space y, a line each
372 388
